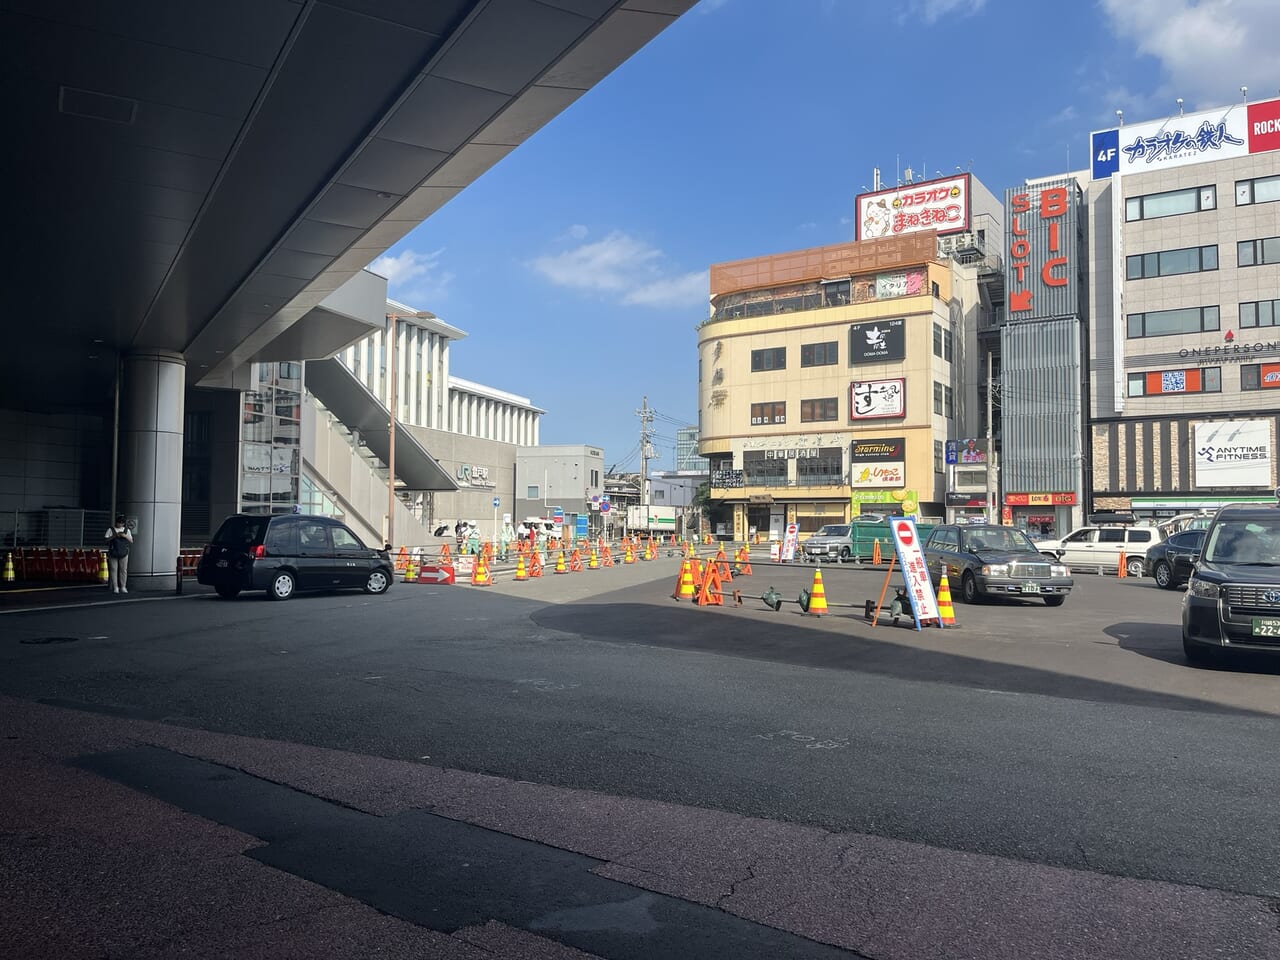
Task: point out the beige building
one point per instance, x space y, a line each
1184 251
829 380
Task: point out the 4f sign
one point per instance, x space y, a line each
1106 154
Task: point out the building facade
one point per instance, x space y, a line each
563 478
1184 298
687 457
829 381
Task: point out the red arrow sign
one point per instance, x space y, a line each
1020 301
904 534
435 574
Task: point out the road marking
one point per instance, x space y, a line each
55 608
805 740
544 686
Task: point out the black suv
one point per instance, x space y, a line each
987 560
1233 596
284 554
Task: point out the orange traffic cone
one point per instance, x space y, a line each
560 567
402 559
710 594
535 564
817 596
608 557
744 563
945 608
521 573
410 571
1121 572
575 561
445 555
480 573
684 583
695 567
876 559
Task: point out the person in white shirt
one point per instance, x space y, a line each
119 540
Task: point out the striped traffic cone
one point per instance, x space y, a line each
684 583
945 608
817 605
521 573
480 572
9 575
560 567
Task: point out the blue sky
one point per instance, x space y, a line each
578 265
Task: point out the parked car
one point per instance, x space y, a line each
1233 597
284 554
988 560
1101 546
831 542
1169 562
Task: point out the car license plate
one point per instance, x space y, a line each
1031 587
1266 627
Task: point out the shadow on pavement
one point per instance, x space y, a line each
686 628
1161 642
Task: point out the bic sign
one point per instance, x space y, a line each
1046 215
1106 154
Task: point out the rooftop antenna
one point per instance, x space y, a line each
1244 92
1120 117
1179 106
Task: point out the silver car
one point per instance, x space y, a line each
830 543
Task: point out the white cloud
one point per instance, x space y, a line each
578 231
1067 114
1206 50
414 277
711 6
624 267
931 11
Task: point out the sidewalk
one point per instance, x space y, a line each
231 846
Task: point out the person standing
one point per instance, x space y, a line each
119 540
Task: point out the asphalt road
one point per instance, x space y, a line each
1072 737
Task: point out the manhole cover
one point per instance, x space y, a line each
50 640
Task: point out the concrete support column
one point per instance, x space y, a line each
153 396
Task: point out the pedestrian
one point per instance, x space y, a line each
457 533
522 532
119 540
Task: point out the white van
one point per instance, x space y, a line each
1101 546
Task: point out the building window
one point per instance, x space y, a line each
1258 190
823 467
1171 203
1259 376
1191 380
1164 323
948 397
763 414
532 492
971 478
819 354
1170 263
948 345
775 358
815 411
935 290
659 495
939 459
937 340
937 398
1260 313
595 478
1252 253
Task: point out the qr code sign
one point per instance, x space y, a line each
1173 381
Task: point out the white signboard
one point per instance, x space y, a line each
906 541
1177 141
883 474
790 542
941 205
1233 453
878 399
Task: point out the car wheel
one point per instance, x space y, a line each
845 554
228 593
1134 567
1054 601
377 583
282 586
1163 574
968 588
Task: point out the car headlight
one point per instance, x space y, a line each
995 569
1204 589
1059 570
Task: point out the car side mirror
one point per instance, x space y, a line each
1195 556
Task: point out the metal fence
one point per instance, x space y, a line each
54 528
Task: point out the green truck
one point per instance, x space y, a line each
855 542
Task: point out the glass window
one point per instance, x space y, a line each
344 539
1111 535
937 340
1209 257
1139 536
948 398
1137 384
1133 267
1186 260
1271 250
1161 323
1170 204
1133 208
937 398
819 354
939 457
1248 314
1245 255
1211 379
948 343
775 358
1266 189
768 413
1135 325
812 411
1259 313
532 492
1250 376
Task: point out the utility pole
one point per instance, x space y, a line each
993 511
646 449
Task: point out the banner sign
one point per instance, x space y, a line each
884 474
883 341
878 399
1233 453
878 448
941 205
915 572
